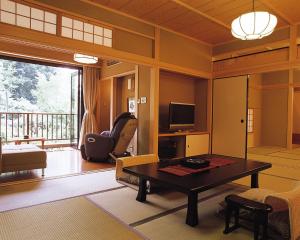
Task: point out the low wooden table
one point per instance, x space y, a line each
19 141
193 184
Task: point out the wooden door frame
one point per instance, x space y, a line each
113 105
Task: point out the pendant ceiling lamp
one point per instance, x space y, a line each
81 58
253 25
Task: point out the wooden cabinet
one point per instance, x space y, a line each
196 144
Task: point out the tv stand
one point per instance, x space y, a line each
180 133
188 143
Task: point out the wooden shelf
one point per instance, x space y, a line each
183 133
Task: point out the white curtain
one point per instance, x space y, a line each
91 77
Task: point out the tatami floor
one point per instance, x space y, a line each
60 162
87 206
285 171
161 217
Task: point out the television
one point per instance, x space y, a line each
181 116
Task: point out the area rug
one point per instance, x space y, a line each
37 192
76 218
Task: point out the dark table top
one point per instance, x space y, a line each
202 181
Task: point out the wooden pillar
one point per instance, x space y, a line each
292 58
154 93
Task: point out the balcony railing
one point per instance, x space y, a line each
51 126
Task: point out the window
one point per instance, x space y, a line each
83 31
27 17
250 120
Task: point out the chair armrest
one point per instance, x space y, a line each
248 204
98 147
105 133
133 161
0 154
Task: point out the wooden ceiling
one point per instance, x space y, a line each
206 20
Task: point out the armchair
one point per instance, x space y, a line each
126 178
97 147
278 213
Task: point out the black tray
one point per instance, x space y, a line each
194 163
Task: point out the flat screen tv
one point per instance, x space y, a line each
181 116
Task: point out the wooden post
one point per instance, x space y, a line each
292 58
154 93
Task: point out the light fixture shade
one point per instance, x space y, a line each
253 25
81 58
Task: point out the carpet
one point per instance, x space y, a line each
76 218
37 192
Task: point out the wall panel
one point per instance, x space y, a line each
250 63
184 52
129 42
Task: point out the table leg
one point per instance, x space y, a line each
43 143
142 194
254 180
192 211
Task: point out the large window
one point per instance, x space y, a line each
39 100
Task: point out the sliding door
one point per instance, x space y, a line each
76 108
229 128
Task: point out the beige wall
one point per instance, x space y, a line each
144 84
116 69
103 105
132 43
255 102
184 52
268 96
123 93
174 87
296 117
274 109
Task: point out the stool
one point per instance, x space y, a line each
260 211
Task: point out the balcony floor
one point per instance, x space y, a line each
60 162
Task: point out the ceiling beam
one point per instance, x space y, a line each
268 4
212 19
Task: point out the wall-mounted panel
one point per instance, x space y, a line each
133 43
238 65
184 52
238 45
117 69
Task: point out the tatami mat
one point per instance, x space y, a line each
285 163
71 219
265 150
162 217
156 204
210 226
32 193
